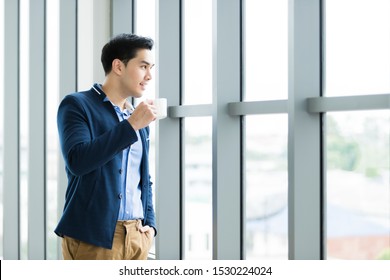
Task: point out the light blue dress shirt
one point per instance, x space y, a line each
131 204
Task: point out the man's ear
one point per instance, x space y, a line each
117 66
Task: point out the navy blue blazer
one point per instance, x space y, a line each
92 140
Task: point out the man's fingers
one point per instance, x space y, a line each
144 228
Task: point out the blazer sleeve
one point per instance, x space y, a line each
150 212
151 218
82 152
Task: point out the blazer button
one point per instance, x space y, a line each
120 196
120 171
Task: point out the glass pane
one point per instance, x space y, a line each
146 18
197 34
358 185
85 40
146 26
1 124
24 129
52 147
266 49
198 189
357 47
266 187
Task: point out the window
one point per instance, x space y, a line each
266 187
265 49
265 78
197 89
357 143
198 189
52 145
358 185
300 182
357 47
197 39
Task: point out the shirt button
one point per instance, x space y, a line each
120 196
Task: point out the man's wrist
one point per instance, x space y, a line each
132 123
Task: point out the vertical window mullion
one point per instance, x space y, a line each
11 205
226 130
168 136
121 22
68 57
36 139
304 145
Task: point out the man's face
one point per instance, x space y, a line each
137 73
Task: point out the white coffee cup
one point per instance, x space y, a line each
161 107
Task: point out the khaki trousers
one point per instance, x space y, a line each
129 244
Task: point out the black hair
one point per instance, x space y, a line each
123 47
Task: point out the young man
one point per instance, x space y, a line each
109 212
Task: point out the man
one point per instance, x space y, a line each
109 212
